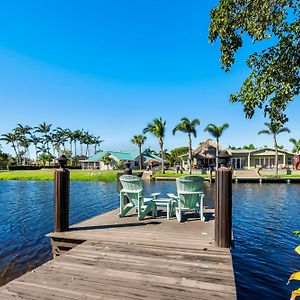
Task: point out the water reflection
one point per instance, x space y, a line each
264 217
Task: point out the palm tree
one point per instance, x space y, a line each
11 138
139 140
81 141
106 159
158 129
61 138
151 151
189 127
274 129
296 144
97 143
77 135
23 141
35 141
44 129
216 132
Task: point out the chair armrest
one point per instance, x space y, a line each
131 191
155 195
190 193
147 199
172 196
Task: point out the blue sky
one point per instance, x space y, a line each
112 66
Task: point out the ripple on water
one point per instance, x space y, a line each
264 217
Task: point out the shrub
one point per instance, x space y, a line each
15 168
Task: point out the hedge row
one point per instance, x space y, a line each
30 168
14 168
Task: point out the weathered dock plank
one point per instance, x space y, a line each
127 259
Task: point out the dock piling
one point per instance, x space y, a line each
223 207
61 196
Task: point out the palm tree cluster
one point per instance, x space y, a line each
274 129
158 129
50 143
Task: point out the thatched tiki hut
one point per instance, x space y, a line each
204 156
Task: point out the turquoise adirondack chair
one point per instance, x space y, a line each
133 189
190 196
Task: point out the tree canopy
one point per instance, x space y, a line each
274 79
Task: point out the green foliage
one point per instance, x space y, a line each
158 129
274 129
175 153
249 147
45 157
216 131
187 126
297 233
139 140
80 175
5 160
107 160
296 145
46 141
120 165
28 168
246 147
274 80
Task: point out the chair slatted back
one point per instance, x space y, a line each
189 184
134 188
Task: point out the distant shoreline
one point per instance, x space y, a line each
111 176
48 175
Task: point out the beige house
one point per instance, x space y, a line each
260 158
204 156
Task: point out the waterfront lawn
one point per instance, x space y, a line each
81 175
173 174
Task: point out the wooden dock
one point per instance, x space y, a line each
112 258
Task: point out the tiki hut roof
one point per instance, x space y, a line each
152 160
206 149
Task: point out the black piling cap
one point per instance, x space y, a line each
62 160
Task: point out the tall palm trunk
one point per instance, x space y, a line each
276 156
71 150
162 156
141 158
217 155
19 159
15 149
36 153
71 147
87 151
190 153
75 147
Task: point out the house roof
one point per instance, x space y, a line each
239 151
97 156
261 151
147 155
122 155
125 155
207 149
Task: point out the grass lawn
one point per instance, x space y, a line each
82 175
170 173
282 176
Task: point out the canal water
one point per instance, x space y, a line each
264 218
